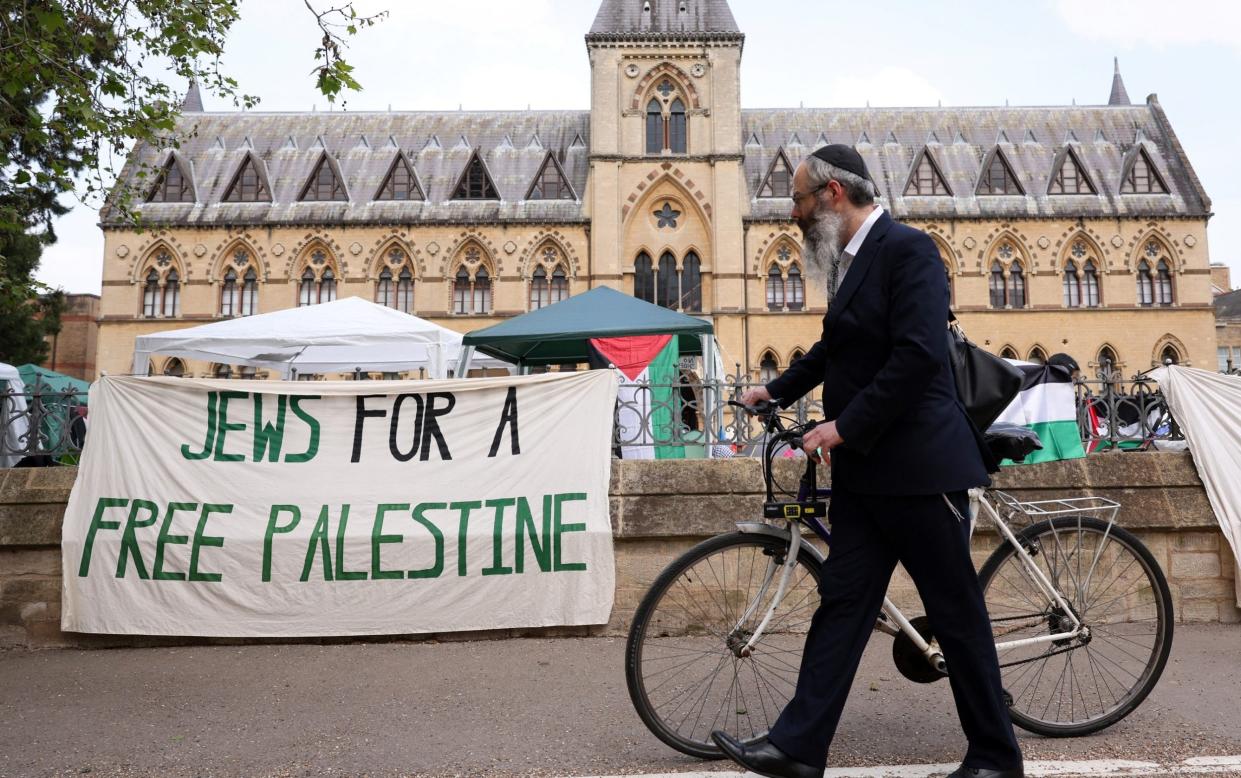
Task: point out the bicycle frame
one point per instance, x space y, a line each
889 613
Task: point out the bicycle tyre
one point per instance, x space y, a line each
1102 666
652 618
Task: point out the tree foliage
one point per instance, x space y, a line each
81 82
26 316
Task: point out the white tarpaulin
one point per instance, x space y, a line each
14 423
336 337
275 509
1207 406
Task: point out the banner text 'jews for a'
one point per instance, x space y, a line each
282 509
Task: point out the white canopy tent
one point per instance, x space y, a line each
337 337
14 424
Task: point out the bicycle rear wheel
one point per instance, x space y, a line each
682 663
1113 584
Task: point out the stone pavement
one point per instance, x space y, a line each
548 707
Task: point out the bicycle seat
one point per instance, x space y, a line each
1011 441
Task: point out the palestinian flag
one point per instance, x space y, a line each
1046 404
647 402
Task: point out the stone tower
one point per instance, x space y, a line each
666 183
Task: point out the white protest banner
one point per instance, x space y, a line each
278 509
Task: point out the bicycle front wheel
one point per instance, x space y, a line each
1113 585
684 663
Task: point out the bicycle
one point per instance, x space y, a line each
716 642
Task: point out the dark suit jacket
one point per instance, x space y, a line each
883 363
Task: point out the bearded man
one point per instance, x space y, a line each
903 453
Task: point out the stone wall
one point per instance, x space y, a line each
659 509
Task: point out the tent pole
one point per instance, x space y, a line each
463 361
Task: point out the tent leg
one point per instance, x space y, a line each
463 362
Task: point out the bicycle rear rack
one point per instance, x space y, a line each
1069 506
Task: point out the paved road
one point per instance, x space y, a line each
517 707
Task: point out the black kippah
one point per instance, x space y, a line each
844 157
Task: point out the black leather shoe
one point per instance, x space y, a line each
764 758
982 772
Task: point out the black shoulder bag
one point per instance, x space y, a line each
986 383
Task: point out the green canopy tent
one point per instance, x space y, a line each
558 334
55 382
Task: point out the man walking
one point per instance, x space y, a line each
903 454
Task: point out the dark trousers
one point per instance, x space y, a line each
870 534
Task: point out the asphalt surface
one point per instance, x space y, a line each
547 707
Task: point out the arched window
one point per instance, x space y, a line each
327 286
1037 356
796 355
666 127
1163 284
644 278
461 291
175 368
405 291
1146 285
250 293
172 294
1107 358
540 292
223 371
691 283
795 289
383 290
768 369
676 127
1072 290
150 295
668 290
775 289
1169 355
307 293
482 291
1016 285
247 373
230 295
1008 353
654 127
1090 284
560 285
997 286
471 293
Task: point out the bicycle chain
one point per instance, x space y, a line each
1040 656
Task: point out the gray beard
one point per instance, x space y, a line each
822 247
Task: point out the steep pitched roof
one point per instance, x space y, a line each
1110 132
663 18
427 140
1228 305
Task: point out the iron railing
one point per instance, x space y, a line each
45 426
41 425
1113 412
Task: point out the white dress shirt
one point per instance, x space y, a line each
855 244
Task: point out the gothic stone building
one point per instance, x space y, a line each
1077 228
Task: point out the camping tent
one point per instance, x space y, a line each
559 333
337 337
